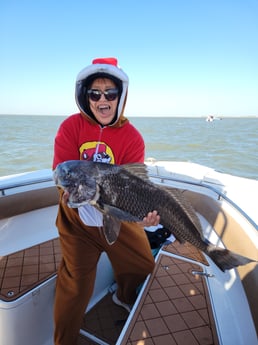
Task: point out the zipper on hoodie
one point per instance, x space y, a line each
99 139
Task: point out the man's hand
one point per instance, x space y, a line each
151 219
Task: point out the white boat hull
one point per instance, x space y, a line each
25 222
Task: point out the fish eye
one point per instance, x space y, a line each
68 172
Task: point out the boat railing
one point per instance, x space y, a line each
4 187
162 179
220 194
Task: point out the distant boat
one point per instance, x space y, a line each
211 118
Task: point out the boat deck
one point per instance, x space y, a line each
20 272
174 307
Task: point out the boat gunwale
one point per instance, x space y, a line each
162 178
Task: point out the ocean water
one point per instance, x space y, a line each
229 145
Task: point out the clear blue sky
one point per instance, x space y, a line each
183 57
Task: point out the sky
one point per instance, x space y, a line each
183 57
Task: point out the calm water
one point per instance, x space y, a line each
229 145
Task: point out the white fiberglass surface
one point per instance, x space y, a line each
230 306
28 229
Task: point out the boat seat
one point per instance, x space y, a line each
14 204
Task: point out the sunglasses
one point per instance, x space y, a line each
95 95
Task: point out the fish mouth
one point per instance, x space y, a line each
72 204
59 185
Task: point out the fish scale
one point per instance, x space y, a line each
142 198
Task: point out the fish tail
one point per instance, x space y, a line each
225 259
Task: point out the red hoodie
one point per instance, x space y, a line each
80 138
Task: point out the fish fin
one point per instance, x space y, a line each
111 228
225 259
118 213
178 196
112 218
138 169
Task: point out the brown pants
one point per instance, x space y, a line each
82 246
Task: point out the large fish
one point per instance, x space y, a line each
124 193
